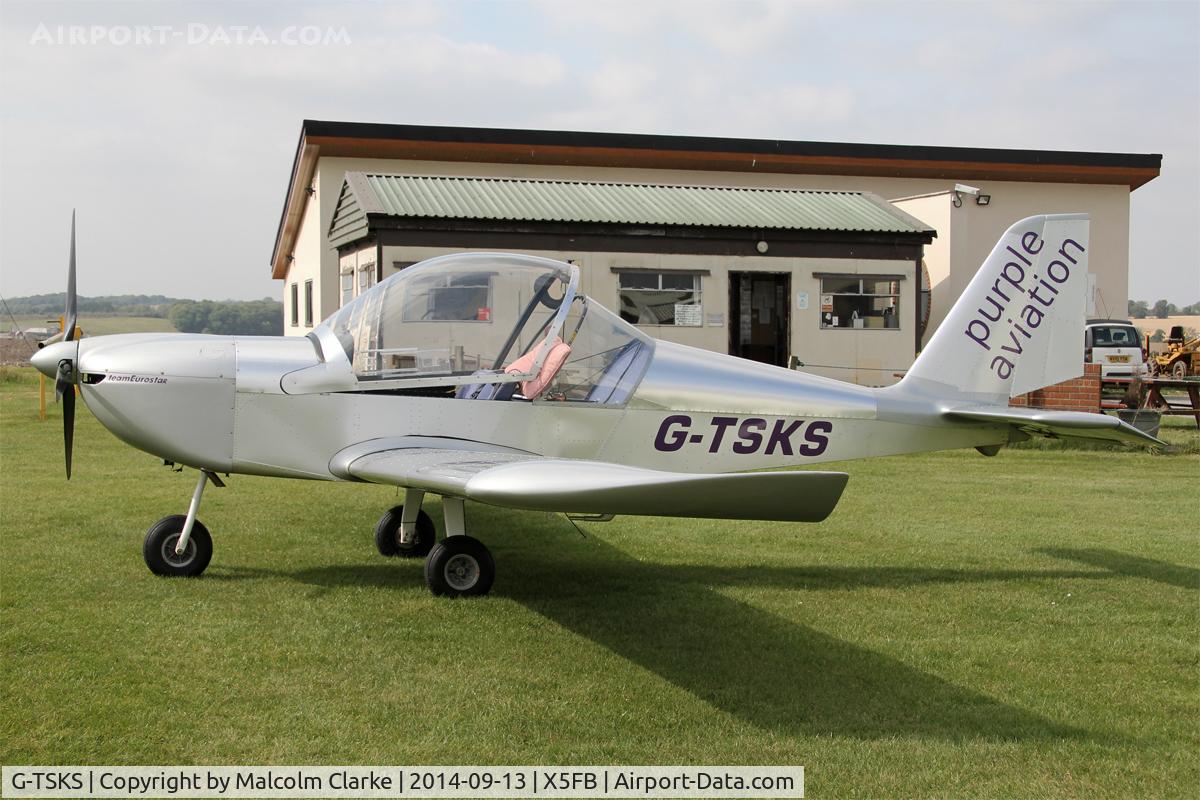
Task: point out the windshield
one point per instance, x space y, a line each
454 315
483 318
1115 336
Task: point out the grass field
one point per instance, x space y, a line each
1019 626
96 325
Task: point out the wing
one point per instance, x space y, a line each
522 480
1039 422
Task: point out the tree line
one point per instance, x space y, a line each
239 318
1140 309
231 317
124 305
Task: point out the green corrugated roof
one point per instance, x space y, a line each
609 203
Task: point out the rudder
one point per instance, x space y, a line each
1019 324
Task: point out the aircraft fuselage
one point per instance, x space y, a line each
219 403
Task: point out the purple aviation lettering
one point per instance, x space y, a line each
744 436
1016 282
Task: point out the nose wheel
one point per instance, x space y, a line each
179 545
162 542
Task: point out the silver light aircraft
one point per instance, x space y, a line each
493 378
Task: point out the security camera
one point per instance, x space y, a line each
962 188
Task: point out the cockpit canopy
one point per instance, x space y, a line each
495 326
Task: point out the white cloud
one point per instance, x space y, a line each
741 28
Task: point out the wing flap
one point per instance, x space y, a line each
590 487
1041 422
517 480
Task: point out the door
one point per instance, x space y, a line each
759 323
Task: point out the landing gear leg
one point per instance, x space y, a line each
180 546
459 565
190 520
406 531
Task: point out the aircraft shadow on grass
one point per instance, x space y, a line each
1130 565
758 667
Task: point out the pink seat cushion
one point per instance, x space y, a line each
550 367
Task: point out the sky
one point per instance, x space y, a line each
172 127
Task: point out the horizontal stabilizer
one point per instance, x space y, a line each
593 487
1040 422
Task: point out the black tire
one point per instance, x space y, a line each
1180 370
387 535
460 566
159 548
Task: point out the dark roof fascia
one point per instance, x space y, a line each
507 240
642 141
382 222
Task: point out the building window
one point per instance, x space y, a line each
366 277
464 297
347 284
660 298
308 304
860 301
295 306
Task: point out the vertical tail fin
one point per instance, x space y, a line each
1019 324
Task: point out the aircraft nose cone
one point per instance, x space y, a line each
46 360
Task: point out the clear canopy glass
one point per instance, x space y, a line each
479 320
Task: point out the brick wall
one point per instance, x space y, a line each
1077 394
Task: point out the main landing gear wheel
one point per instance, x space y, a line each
159 548
387 535
459 566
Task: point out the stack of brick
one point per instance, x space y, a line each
1077 394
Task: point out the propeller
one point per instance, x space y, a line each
65 380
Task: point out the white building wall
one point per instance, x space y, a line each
308 265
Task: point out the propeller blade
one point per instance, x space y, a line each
68 407
71 310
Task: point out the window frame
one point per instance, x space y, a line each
308 303
862 279
489 301
697 290
362 284
295 297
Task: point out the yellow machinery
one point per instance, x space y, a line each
1182 356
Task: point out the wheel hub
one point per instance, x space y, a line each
462 572
178 559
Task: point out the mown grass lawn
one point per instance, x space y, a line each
1019 626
